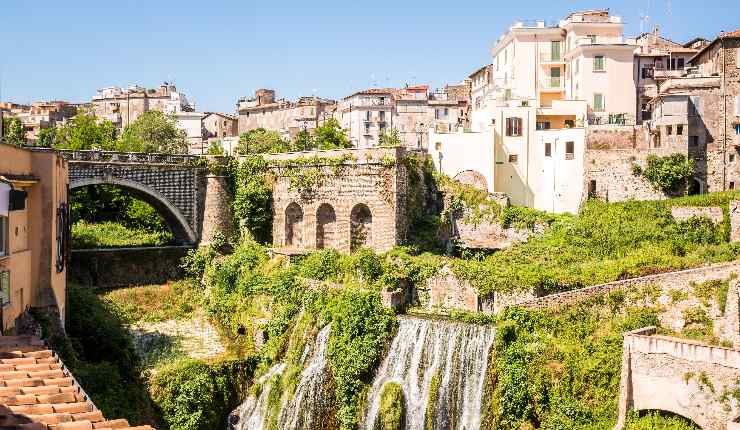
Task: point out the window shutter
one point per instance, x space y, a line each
508 126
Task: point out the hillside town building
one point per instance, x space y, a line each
39 115
122 106
284 116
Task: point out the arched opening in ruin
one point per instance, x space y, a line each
293 226
326 222
361 227
660 418
694 187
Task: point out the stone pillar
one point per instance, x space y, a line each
732 314
735 221
217 216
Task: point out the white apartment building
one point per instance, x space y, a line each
545 85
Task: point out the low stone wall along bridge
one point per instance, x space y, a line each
194 203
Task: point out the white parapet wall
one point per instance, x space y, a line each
456 153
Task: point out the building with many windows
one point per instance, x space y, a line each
122 106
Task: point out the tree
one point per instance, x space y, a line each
46 137
304 141
215 148
330 135
669 173
393 138
85 131
262 141
13 130
153 131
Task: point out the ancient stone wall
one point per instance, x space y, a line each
114 268
360 203
445 291
683 213
678 376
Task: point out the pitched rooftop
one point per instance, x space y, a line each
37 392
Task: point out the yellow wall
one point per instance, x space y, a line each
556 121
34 280
547 98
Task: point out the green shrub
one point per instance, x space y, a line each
194 395
669 173
115 235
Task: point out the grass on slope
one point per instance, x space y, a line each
114 235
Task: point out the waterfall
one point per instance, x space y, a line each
456 354
311 398
309 407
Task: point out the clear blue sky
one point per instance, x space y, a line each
217 51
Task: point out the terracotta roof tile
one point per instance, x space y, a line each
36 393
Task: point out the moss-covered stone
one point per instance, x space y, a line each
392 408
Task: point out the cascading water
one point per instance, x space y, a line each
455 354
311 399
307 408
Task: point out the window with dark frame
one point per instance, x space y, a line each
548 149
5 288
569 150
513 158
679 130
513 126
4 221
668 130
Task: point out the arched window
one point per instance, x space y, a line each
293 225
326 221
361 227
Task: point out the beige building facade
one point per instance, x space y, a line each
122 106
33 232
265 111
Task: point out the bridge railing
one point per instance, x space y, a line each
125 157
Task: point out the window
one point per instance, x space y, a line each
732 185
592 38
592 188
543 125
438 146
577 65
569 123
548 149
447 111
367 128
513 158
5 288
3 236
680 63
737 129
647 72
381 115
569 150
732 158
598 102
668 130
693 140
679 130
599 63
368 115
737 100
381 127
513 126
555 50
382 100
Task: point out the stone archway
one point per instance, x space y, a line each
326 223
293 226
474 178
172 216
361 227
694 187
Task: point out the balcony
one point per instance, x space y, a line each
552 84
551 58
667 74
598 40
372 102
603 118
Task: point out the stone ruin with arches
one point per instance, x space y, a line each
359 201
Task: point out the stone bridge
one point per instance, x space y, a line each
194 203
697 381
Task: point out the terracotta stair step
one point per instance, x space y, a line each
94 417
39 390
75 425
25 382
36 367
51 419
32 426
11 391
37 409
59 382
13 375
112 424
73 408
139 428
41 353
48 360
17 361
20 399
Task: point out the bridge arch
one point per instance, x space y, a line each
173 217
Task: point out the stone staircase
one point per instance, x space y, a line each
37 392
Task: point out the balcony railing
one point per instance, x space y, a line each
603 118
551 57
553 83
